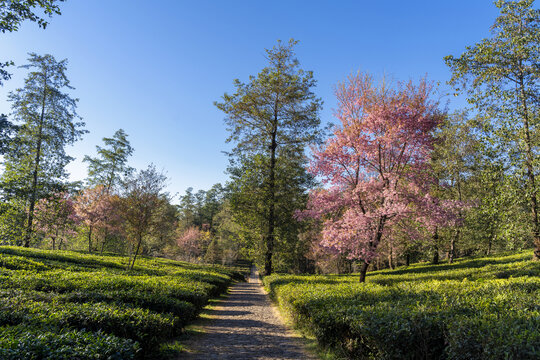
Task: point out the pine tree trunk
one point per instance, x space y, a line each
37 159
272 199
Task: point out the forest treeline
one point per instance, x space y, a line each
398 179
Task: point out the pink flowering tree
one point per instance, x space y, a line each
56 218
376 166
192 241
97 210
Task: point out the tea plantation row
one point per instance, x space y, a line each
486 308
68 305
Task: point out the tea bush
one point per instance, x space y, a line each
26 343
465 310
83 306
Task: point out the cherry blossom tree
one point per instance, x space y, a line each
56 218
192 241
376 166
96 209
140 207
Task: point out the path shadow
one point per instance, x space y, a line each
239 304
219 312
246 323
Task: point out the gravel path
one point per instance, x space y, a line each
246 326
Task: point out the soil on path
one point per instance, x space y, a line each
246 326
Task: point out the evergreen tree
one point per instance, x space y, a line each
35 163
110 165
7 130
247 200
275 111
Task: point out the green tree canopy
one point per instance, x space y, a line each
35 163
275 112
501 78
14 12
110 165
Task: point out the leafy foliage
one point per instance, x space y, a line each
13 13
22 342
35 163
97 209
143 197
500 76
56 217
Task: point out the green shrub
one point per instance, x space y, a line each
159 303
183 310
451 311
146 327
76 295
495 336
23 343
59 281
21 263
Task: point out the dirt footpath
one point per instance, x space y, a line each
246 326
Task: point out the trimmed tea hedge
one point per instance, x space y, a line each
465 310
82 306
27 343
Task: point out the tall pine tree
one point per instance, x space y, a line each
272 117
35 163
110 165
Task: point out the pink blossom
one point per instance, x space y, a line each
191 241
96 208
56 217
375 167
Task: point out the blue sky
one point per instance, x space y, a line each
154 68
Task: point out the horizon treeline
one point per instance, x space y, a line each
398 179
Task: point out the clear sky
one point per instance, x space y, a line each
154 68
